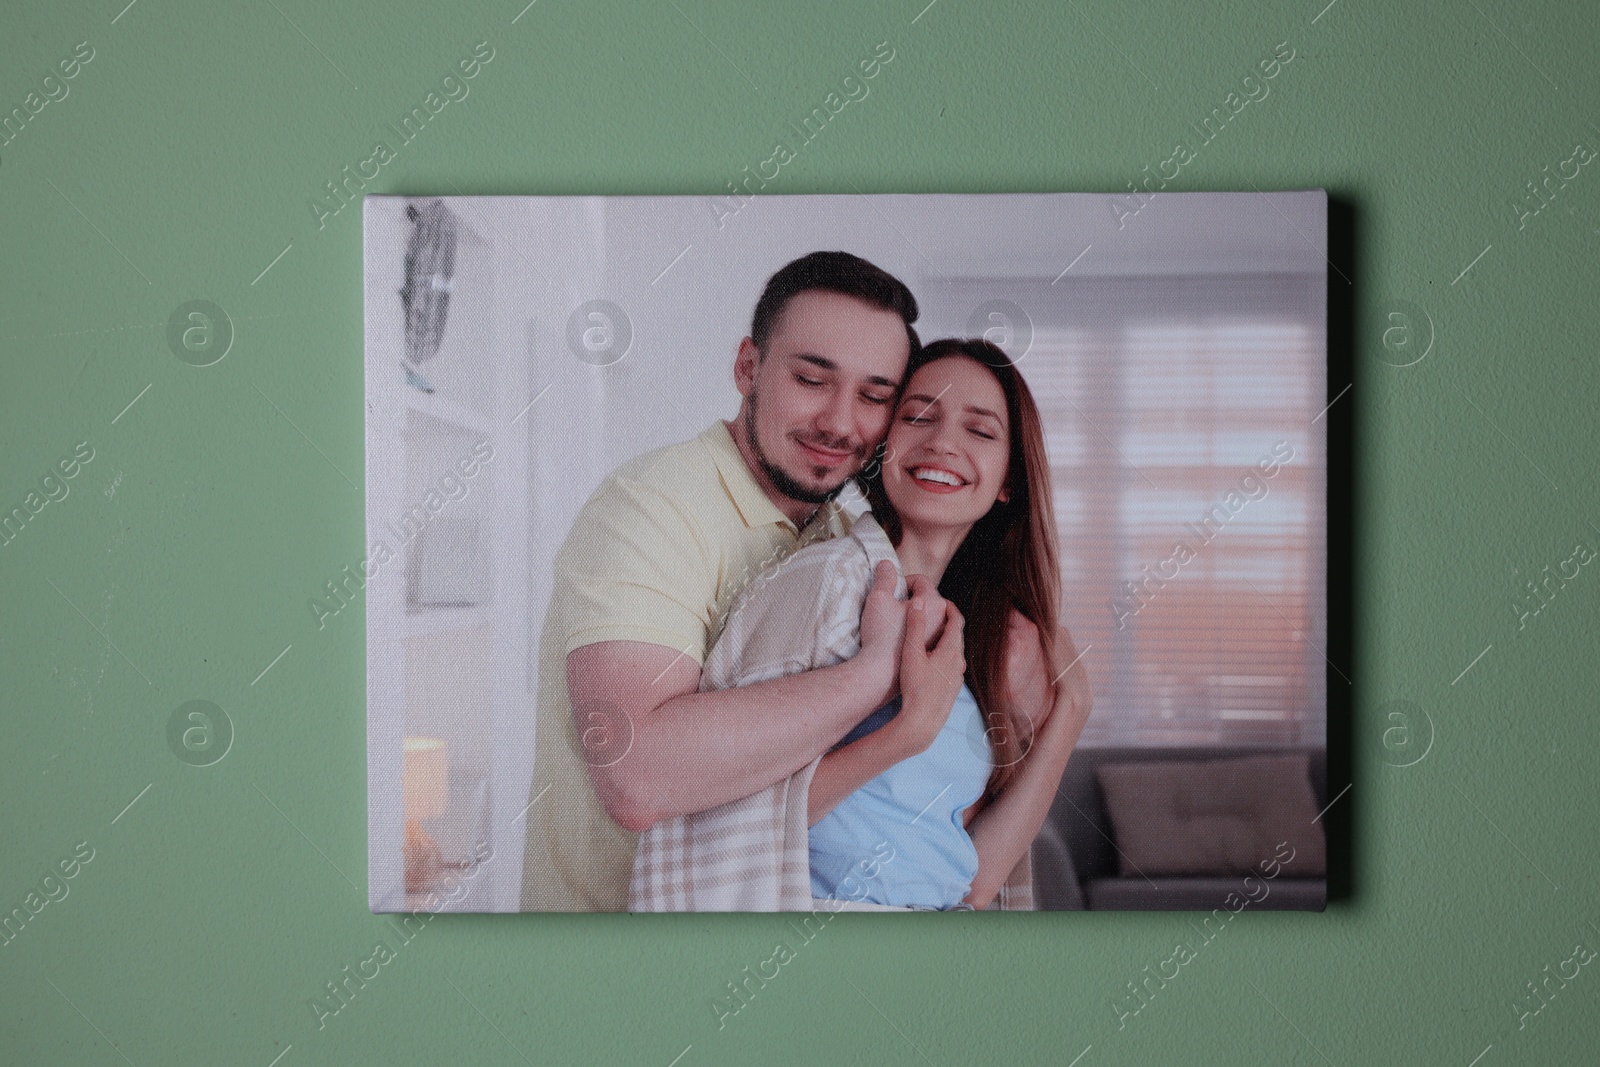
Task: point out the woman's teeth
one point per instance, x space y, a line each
943 477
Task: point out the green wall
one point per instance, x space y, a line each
182 160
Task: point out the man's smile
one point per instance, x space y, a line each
825 457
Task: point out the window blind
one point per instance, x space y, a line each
1159 402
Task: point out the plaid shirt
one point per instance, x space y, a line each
753 854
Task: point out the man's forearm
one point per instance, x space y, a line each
700 750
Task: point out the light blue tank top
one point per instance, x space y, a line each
914 808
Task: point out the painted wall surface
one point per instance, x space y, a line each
185 881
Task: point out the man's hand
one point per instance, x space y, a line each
883 624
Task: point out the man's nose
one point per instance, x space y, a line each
835 418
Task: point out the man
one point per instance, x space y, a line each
659 553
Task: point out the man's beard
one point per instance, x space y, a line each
779 477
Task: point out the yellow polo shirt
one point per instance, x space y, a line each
658 554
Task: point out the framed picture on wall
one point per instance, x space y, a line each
841 552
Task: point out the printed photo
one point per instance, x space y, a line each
854 552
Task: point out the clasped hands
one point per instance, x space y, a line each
916 648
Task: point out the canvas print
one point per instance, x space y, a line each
847 552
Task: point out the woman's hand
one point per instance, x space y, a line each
1073 698
932 665
1032 686
883 625
1027 676
1056 732
930 677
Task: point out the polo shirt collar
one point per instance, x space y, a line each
754 506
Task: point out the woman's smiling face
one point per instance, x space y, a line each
949 445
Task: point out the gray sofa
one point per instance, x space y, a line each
1076 863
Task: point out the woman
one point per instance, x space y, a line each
931 806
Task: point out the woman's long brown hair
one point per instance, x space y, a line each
1010 557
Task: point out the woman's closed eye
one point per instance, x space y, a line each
921 417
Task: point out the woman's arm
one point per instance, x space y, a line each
1005 828
1029 681
847 769
930 678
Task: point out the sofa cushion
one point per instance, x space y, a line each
1213 816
